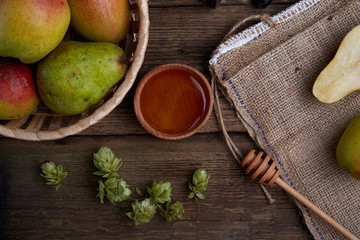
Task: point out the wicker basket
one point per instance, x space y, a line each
43 124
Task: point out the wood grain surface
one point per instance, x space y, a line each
185 31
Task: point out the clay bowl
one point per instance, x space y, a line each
173 101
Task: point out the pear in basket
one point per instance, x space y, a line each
100 20
77 75
341 76
29 30
18 94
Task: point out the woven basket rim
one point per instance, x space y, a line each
109 105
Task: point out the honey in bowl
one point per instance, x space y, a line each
173 101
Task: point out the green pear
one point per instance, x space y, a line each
341 76
348 148
77 75
101 21
29 30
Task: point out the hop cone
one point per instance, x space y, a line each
142 211
53 174
115 190
199 183
160 192
107 163
173 211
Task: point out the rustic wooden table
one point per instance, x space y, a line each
185 31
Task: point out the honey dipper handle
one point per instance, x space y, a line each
315 209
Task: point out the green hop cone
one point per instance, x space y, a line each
160 192
199 183
173 211
53 174
142 212
107 163
115 189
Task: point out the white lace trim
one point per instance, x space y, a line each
254 31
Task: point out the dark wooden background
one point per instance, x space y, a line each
185 31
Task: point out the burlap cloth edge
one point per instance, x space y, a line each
216 72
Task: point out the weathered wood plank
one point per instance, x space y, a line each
234 208
177 3
193 33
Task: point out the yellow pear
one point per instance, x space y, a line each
342 75
29 30
348 149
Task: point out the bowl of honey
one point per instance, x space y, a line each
173 101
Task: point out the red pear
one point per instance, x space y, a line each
18 93
101 20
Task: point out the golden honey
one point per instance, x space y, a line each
173 101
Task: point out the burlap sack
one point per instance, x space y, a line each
267 74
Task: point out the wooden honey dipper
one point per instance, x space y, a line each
266 172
